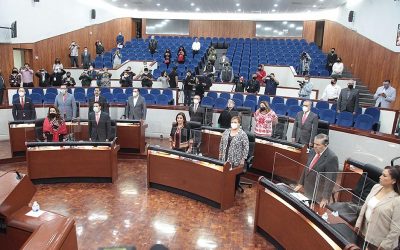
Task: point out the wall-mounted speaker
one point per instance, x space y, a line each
351 16
93 13
36 1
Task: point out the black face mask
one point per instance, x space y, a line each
52 115
333 83
68 76
15 72
259 69
262 108
350 86
254 78
332 51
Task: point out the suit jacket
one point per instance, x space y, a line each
43 82
138 111
99 131
198 115
326 167
103 102
27 112
349 104
386 102
67 108
85 58
383 229
305 133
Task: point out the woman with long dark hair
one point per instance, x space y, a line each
180 134
54 128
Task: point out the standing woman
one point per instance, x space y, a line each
180 134
167 57
164 79
54 127
234 145
58 72
379 218
265 117
117 57
99 48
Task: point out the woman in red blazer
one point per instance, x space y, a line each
54 127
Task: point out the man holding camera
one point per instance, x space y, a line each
27 76
146 78
73 54
188 83
253 86
305 87
305 62
271 83
226 73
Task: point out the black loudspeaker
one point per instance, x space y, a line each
36 1
14 29
351 16
93 13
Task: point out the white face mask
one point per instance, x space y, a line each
305 109
63 91
96 109
234 125
135 94
195 101
21 94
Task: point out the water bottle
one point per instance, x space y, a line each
35 206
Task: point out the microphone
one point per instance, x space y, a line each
19 177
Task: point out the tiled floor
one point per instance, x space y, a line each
128 213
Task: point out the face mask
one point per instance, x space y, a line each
386 86
350 86
262 108
332 51
15 72
21 94
333 83
96 109
195 101
63 91
52 115
254 78
305 109
135 94
234 125
68 76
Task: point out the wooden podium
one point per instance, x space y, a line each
20 231
131 136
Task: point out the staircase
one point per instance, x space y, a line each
366 97
217 67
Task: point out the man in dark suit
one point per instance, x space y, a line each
196 112
44 77
348 99
99 124
136 107
330 60
323 164
305 125
86 58
100 99
23 108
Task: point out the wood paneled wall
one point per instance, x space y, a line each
217 28
309 30
367 60
47 50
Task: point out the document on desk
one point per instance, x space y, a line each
299 196
35 214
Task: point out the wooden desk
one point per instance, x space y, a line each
208 182
60 162
48 231
274 157
291 225
19 134
210 141
131 136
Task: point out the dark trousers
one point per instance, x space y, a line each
194 52
27 84
74 61
187 94
1 96
305 72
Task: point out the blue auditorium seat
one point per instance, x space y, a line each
220 103
149 98
292 102
80 97
293 110
322 105
38 91
278 99
250 104
225 95
162 99
52 91
364 122
36 98
328 115
116 91
120 98
213 95
345 119
109 97
251 97
279 108
207 101
155 92
169 93
263 98
143 91
374 112
238 102
49 98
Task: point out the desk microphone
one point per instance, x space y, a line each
19 177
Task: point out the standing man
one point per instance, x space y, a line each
120 40
2 87
305 87
27 76
195 47
348 99
305 125
222 61
44 77
330 60
99 99
305 63
385 95
188 83
196 112
332 91
65 102
271 83
173 78
73 54
136 107
99 124
253 86
153 43
23 108
146 78
321 161
85 57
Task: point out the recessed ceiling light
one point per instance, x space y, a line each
275 31
258 25
158 4
126 5
291 25
299 28
280 33
321 0
192 4
165 9
267 28
273 10
114 0
239 9
197 9
276 5
238 4
314 6
284 22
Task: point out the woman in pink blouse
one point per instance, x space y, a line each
265 117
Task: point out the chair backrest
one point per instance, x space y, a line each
38 91
333 107
143 91
278 99
293 110
250 104
113 130
323 127
36 98
220 103
328 115
109 97
238 102
322 105
238 96
227 96
207 101
105 90
155 92
345 119
79 90
39 129
52 90
265 98
364 122
374 112
212 95
251 97
280 108
168 93
279 130
49 98
162 99
315 110
80 97
117 91
121 98
292 102
149 98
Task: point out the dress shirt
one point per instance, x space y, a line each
337 68
135 100
27 75
331 92
385 102
305 91
196 46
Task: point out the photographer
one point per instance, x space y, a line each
44 77
271 83
226 73
125 79
240 85
15 78
146 78
203 83
305 62
68 80
86 78
253 86
27 76
209 69
188 83
58 72
73 54
104 78
305 87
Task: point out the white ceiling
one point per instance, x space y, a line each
228 6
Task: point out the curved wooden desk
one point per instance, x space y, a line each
206 180
60 162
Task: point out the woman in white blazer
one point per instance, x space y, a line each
379 218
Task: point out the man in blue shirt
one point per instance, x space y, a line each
271 83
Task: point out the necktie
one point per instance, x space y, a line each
96 99
304 118
97 118
314 161
22 102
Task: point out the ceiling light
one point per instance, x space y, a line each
158 4
239 9
238 4
321 0
284 22
167 20
299 28
273 10
114 0
258 25
126 5
314 6
192 4
280 33
267 28
197 9
165 9
291 25
275 31
276 5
